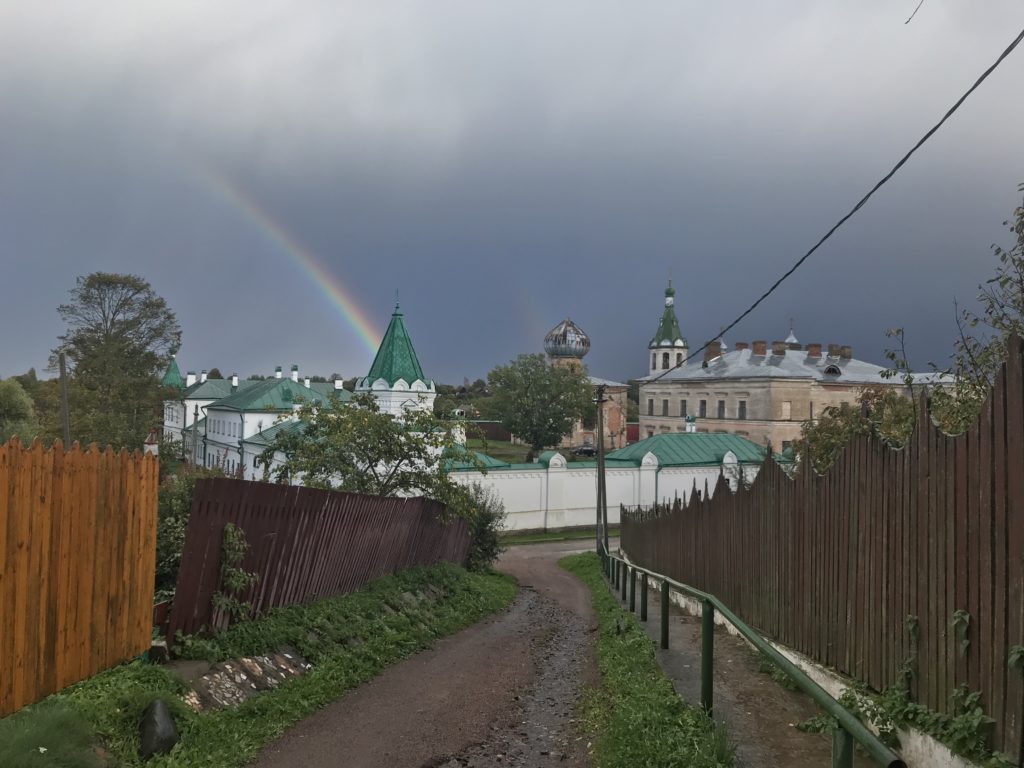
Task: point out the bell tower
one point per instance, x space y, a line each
668 348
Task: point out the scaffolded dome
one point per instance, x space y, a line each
566 340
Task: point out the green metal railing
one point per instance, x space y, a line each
848 729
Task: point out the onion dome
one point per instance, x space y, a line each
566 340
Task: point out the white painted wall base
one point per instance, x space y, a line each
918 750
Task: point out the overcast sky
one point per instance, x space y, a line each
502 166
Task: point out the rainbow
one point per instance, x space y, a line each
331 287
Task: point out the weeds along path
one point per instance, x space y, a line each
500 693
759 714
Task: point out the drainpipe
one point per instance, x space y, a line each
547 492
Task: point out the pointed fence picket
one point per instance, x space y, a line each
893 560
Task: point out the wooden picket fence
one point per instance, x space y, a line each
895 561
77 564
303 544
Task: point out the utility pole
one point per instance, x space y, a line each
602 493
65 417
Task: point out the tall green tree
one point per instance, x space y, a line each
119 339
352 446
538 402
17 416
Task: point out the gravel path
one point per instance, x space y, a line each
500 693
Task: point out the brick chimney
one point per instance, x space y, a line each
234 381
295 373
760 347
846 352
814 350
306 382
833 350
740 345
277 372
339 384
779 348
712 350
190 378
202 376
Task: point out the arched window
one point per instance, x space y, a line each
679 358
832 370
654 360
664 359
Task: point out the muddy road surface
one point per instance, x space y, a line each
500 693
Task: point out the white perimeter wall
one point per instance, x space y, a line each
558 496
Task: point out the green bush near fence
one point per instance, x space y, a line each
348 639
635 718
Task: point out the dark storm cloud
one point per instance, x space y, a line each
502 166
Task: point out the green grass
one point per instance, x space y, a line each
537 537
348 639
502 450
47 734
635 718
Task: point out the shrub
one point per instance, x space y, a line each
174 504
486 521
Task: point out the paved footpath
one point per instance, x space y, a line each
500 693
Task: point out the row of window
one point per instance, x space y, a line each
702 408
741 409
224 427
666 358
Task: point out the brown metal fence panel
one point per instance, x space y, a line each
892 560
77 565
304 544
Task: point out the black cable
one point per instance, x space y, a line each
863 200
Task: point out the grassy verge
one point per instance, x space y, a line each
348 639
502 450
636 717
539 537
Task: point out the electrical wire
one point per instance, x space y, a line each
861 203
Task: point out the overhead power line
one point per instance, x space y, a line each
863 200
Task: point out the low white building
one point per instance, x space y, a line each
553 493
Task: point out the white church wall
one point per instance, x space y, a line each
559 496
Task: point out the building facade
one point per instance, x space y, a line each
763 392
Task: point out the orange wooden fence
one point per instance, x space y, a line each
77 562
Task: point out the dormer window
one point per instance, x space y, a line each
832 370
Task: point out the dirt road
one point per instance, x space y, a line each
500 693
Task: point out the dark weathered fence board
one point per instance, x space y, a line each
840 566
304 543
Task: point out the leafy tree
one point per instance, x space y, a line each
215 373
980 349
17 416
354 447
118 342
45 394
538 402
880 411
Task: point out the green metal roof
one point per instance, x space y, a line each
215 389
462 459
396 359
267 436
173 376
668 329
687 449
273 395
